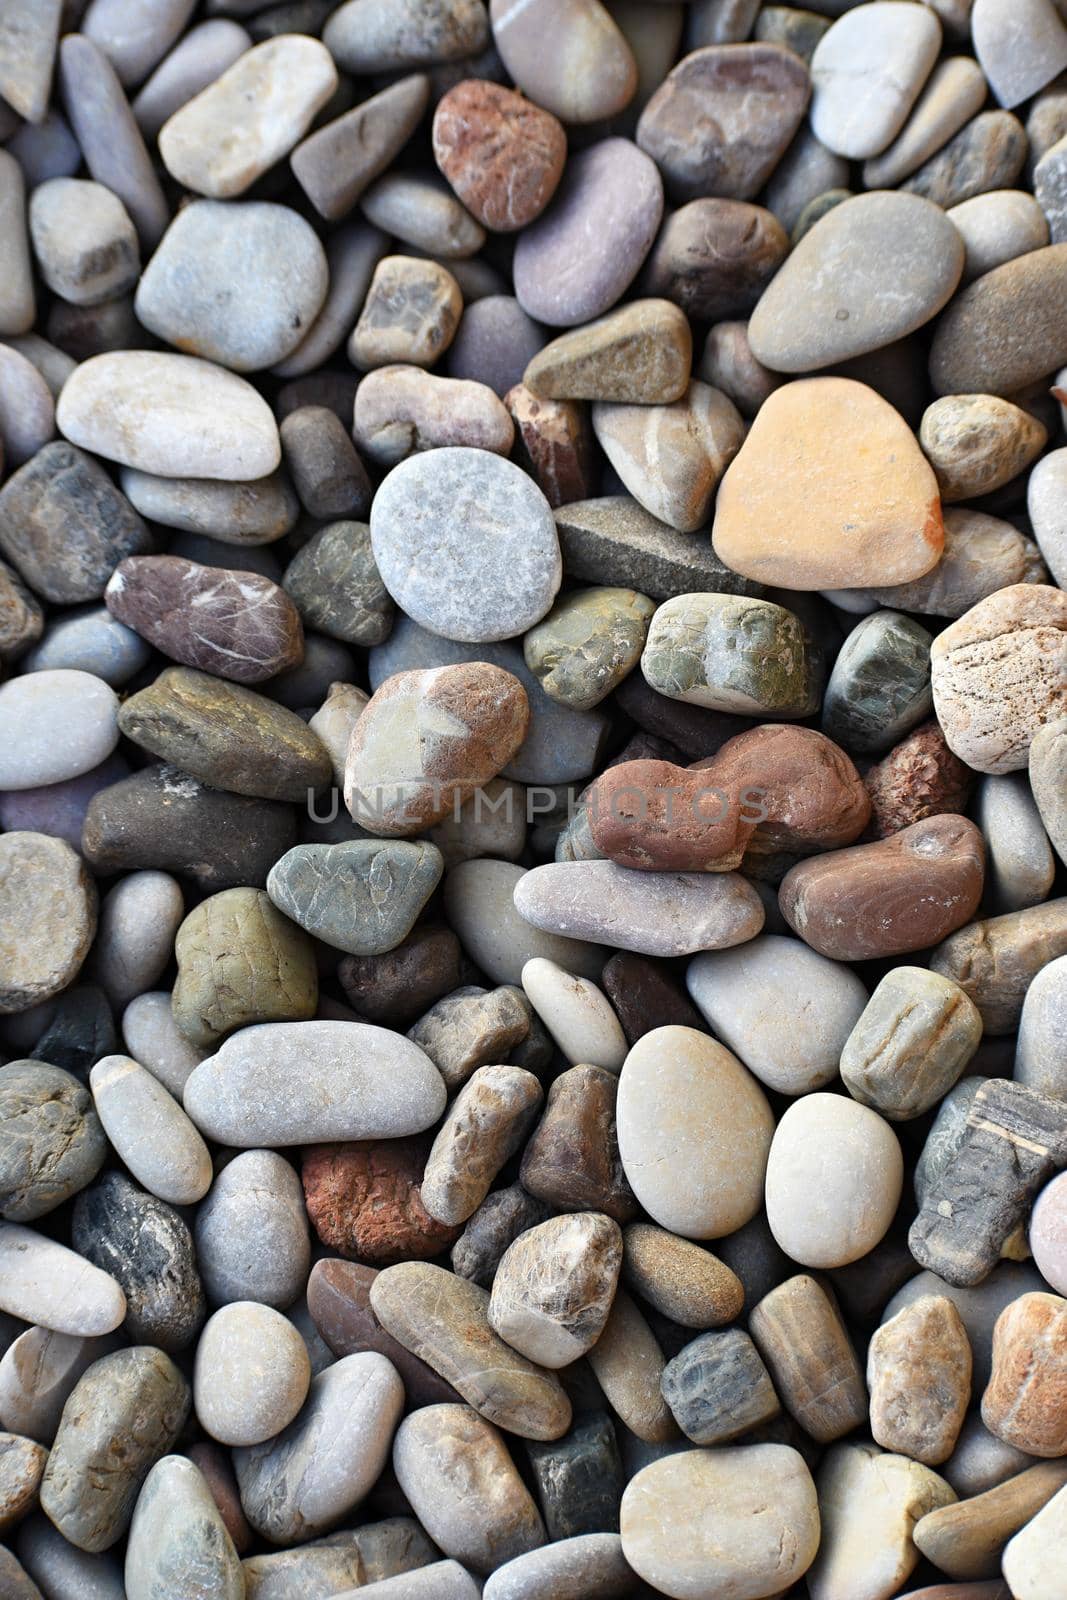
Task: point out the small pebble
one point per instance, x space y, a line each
503 155
554 1287
335 163
1023 1402
150 1131
422 212
252 1232
801 1335
672 458
178 1537
572 1161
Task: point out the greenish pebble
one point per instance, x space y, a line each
337 588
363 896
912 1041
732 653
227 736
880 685
588 643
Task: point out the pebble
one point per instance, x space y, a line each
1020 48
80 1029
504 155
47 930
745 994
178 1538
573 263
313 1474
644 996
628 1364
224 138
486 1124
335 163
252 1233
750 1512
997 227
410 315
59 809
579 1478
589 74
436 534
365 1201
37 1373
479 903
1046 771
980 1460
150 1131
401 411
834 1179
314 1081
718 1388
1044 500
1023 1402
444 1319
471 1027
554 1287
869 1503
640 354
91 642
799 1331
377 36
455 1469
22 1464
913 1040
671 458
169 414
57 725
148 1249
657 914
977 443
53 1144
848 269
955 91
966 1540
201 56
919 778
714 258
443 1580
879 60
139 918
732 653
374 1553
361 897
27 52
235 513
422 212
614 540
679 1279
986 156
727 363
689 1111
919 1374
84 242
1021 865
588 643
27 413
588 1567
493 344
572 1160
339 1302
330 478
252 1374
721 121
576 1013
972 350
238 284
125 1414
879 688
21 617
239 962
44 1282
1034 1558
797 533
1039 1056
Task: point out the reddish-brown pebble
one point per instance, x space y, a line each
902 893
572 1158
502 154
554 443
363 1201
1025 1403
396 988
919 778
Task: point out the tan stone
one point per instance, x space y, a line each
240 962
411 314
802 1337
555 1285
828 491
680 1279
919 1373
997 959
672 457
401 410
1035 1560
966 1540
977 442
486 1123
1025 1403
640 354
628 1365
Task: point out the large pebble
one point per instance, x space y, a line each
589 642
402 410
364 1200
867 72
486 1123
732 653
879 688
239 962
1024 1401
913 1040
919 1372
361 897
178 1540
53 1143
150 1131
1006 330
997 227
139 918
47 917
444 1319
997 959
672 457
576 1014
977 443
554 1287
783 1009
848 271
338 1297
232 513
323 1464
436 532
572 1160
581 256
750 1515
589 73
856 504
153 1038
94 642
714 258
688 1114
1021 47
173 415
1021 866
252 1233
336 162
1033 1559
223 139
239 284
54 726
43 1282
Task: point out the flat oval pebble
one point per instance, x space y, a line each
239 283
997 227
361 897
93 642
588 1567
150 1131
576 1014
834 1179
252 1232
581 256
590 71
660 914
47 918
381 36
871 271
466 544
53 726
43 1282
480 903
503 154
172 415
300 1082
1006 330
694 1132
178 1538
867 72
422 212
233 513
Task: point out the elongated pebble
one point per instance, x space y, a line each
45 1283
150 1131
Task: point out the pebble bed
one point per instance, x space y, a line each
533 800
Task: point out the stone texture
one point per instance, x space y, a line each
485 1125
572 1159
252 1234
90 641
330 479
640 354
996 960
494 342
614 540
56 725
422 212
236 128
365 1201
750 1513
1024 1402
48 917
371 36
339 1302
801 1335
479 585
576 1014
912 1042
997 227
361 897
37 1373
125 1414
21 617
53 1144
239 962
579 1478
27 53
1005 331
967 1540
502 154
1032 1559
977 443
314 1081
671 458
588 643
45 1283
628 1364
717 1388
401 411
233 513
554 1287
150 1131
919 778
732 653
179 1540
589 74
443 1319
590 1565
919 1373
787 524
688 1112
714 258
169 414
336 162
1048 755
880 684
834 1179
1039 1055
879 61
411 314
22 1463
470 1028
455 1470
644 996
679 1279
955 91
1021 862
604 218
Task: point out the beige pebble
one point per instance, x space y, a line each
801 1335
671 457
251 1375
919 1374
911 1044
628 1365
576 1013
640 354
485 1125
966 1540
554 1287
680 1279
401 410
410 315
978 442
1035 1560
150 1131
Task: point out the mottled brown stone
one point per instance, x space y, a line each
1014 1139
395 988
472 1028
554 1287
214 1462
802 1337
572 1158
502 154
240 961
1025 1403
484 1126
338 1295
987 154
919 778
22 1464
48 914
640 354
679 1278
234 624
996 960
899 894
919 1374
976 443
411 314
967 1540
364 1201
554 442
714 258
644 996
